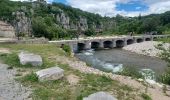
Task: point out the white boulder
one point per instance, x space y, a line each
100 96
30 58
53 73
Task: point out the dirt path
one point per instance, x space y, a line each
9 88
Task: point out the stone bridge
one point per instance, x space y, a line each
106 42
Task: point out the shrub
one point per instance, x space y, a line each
67 49
165 78
146 97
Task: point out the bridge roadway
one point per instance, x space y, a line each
106 42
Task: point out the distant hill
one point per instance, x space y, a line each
55 21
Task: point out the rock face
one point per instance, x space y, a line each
22 23
6 30
100 96
30 58
63 20
66 23
48 74
83 24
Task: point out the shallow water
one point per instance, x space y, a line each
105 59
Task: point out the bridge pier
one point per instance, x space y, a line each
87 45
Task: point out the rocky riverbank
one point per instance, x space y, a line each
146 48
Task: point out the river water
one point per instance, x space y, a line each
118 58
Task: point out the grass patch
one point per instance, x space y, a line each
132 72
145 96
165 40
93 83
29 78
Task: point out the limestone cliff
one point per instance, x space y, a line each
82 22
6 30
22 23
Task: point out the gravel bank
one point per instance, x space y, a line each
146 48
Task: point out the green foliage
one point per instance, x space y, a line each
165 40
67 49
90 32
92 84
165 78
32 77
132 72
145 96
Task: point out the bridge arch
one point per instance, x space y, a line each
130 41
95 45
81 46
139 40
108 44
147 39
120 43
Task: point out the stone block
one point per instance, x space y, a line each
53 73
30 58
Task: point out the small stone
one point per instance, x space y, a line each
30 58
53 73
100 96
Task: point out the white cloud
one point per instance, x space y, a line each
108 7
102 7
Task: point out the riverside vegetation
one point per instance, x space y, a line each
165 55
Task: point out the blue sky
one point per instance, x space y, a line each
132 6
61 1
137 5
123 7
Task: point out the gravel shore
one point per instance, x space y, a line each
146 48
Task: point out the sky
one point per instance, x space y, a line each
111 8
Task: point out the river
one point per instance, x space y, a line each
105 59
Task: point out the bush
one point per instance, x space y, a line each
146 97
67 49
165 78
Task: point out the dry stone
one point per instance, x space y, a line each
6 30
30 58
53 73
100 96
